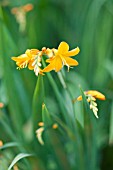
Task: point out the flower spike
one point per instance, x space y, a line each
91 96
57 58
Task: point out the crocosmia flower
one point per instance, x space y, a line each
57 58
32 59
61 57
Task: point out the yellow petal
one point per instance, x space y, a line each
50 60
31 52
20 58
30 67
50 67
96 94
58 64
63 48
70 61
14 58
73 52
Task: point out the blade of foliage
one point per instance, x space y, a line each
17 158
53 141
111 126
88 134
12 79
8 145
60 100
38 99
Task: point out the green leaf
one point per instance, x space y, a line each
85 109
18 99
17 158
111 127
88 135
10 144
66 129
46 116
38 100
53 141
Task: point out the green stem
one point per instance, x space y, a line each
59 98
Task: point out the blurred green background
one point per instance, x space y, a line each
86 24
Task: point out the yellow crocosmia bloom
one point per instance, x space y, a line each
28 58
94 94
32 59
21 61
61 57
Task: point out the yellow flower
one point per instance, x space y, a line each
61 57
94 94
28 58
32 59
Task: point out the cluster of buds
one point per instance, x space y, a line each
91 96
93 105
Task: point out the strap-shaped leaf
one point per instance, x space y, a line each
17 158
53 141
38 100
8 145
111 126
88 134
46 116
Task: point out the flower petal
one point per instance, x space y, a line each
31 52
63 48
50 67
72 52
71 61
22 57
96 94
30 67
58 64
50 60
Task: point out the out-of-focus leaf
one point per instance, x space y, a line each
38 100
86 111
61 78
8 145
19 157
6 125
46 117
88 135
111 126
18 100
60 99
73 80
108 66
54 142
69 132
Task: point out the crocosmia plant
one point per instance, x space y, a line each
56 85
